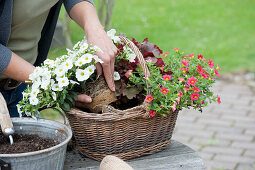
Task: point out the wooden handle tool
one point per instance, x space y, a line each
5 120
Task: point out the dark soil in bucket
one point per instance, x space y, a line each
25 143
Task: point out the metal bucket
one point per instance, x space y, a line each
48 159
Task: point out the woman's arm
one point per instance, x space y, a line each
84 13
18 68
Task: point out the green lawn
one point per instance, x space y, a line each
222 30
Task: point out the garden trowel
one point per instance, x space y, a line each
5 120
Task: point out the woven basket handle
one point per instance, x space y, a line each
145 69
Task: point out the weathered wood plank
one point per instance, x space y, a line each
176 156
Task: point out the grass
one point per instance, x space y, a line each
222 30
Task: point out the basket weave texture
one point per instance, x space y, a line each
127 133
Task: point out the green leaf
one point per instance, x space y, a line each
66 107
70 100
75 96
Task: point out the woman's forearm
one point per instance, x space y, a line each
18 69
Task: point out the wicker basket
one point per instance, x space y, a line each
126 134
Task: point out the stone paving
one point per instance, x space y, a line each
224 134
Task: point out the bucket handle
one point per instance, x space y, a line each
61 113
4 165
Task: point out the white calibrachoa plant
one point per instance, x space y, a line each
55 83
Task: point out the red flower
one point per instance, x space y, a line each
196 89
180 94
194 96
202 102
200 69
176 49
217 73
152 113
181 79
164 90
178 100
200 57
161 106
166 77
218 100
149 98
186 89
192 81
210 63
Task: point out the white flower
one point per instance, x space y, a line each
81 75
36 73
131 57
68 64
83 47
87 58
76 45
97 49
90 69
33 100
60 71
73 82
111 33
48 62
45 83
63 82
79 62
54 96
25 95
97 59
34 92
116 76
56 87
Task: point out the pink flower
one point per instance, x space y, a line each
152 113
185 62
210 63
178 100
186 89
149 98
194 96
164 90
176 49
181 79
184 69
191 55
200 69
200 57
174 107
180 94
204 75
192 81
128 73
166 77
202 102
161 106
196 89
218 67
218 100
217 73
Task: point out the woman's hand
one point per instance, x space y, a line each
97 36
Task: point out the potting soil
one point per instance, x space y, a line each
25 143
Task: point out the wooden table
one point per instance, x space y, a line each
176 156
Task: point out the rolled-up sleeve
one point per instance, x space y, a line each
70 3
5 57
